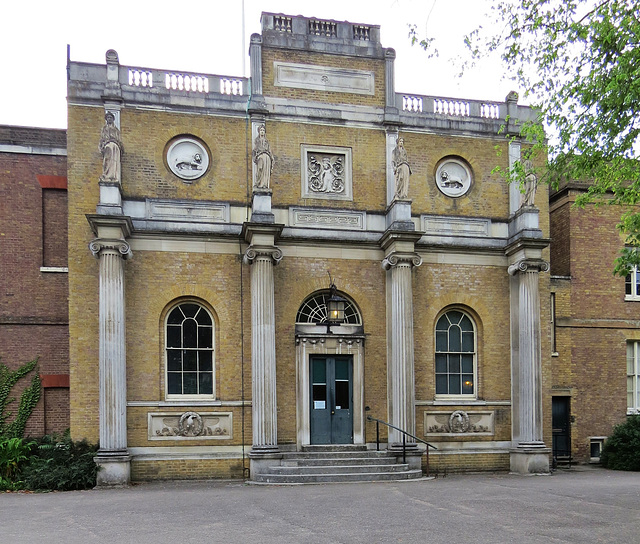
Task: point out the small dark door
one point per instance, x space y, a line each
331 381
560 418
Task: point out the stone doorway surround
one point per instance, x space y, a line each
313 340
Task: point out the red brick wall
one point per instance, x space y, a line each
33 233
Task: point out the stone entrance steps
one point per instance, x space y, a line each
345 463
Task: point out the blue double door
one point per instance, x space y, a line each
331 399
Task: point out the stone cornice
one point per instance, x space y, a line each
98 221
391 235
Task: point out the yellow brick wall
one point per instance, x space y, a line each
187 469
441 464
146 136
84 170
363 281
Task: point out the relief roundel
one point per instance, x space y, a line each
453 177
188 159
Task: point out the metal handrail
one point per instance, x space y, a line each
404 439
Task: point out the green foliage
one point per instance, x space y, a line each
58 463
28 400
579 63
14 452
621 450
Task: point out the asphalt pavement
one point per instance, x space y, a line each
580 505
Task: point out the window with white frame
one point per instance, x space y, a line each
189 351
456 367
633 377
632 285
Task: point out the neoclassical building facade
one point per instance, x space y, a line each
257 265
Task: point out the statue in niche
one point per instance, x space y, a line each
401 169
530 185
263 159
111 148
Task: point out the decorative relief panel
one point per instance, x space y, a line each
455 226
323 78
327 219
459 422
326 172
453 177
187 158
189 425
192 211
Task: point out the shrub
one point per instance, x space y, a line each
60 464
621 450
14 453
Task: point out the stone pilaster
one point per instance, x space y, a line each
530 453
112 456
391 112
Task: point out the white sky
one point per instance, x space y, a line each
205 36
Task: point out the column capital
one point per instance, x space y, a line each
116 244
528 265
397 259
255 252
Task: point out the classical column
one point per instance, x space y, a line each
112 456
400 358
527 368
263 348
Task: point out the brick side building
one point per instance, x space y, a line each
33 266
596 326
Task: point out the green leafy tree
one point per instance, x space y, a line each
579 63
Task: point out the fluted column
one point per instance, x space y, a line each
112 360
400 365
263 348
528 413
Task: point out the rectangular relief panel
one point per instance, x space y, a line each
326 172
455 226
459 422
323 78
327 219
190 425
190 211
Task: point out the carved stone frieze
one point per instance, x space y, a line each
189 425
458 422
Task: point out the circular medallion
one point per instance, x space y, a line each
453 177
190 424
459 422
188 159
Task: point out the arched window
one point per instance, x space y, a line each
455 354
314 310
189 350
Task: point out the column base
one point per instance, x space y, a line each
261 458
530 458
114 468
